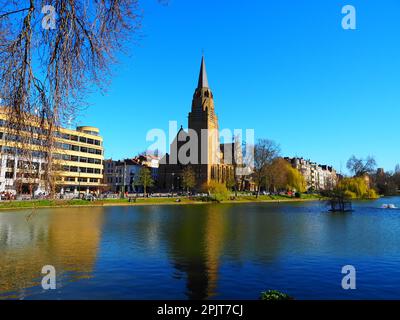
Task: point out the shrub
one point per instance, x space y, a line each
274 295
217 190
205 199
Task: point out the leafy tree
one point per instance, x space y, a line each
144 179
360 167
216 190
188 178
396 177
277 175
295 180
386 183
356 187
282 176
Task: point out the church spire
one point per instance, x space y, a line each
203 81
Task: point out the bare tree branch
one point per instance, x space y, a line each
12 12
45 74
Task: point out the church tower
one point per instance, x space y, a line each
202 115
204 121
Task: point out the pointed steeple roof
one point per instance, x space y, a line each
203 81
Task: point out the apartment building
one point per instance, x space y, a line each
318 177
77 160
119 175
80 156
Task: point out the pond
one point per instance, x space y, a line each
226 251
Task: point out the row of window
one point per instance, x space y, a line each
27 140
72 147
81 169
41 131
27 165
72 137
73 179
10 175
43 143
117 180
68 157
132 172
18 151
10 163
26 128
38 154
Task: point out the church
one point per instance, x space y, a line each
199 147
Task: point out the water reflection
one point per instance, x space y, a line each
198 238
195 239
65 238
195 252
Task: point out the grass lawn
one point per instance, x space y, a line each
41 203
77 202
139 201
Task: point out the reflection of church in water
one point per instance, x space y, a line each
200 145
195 243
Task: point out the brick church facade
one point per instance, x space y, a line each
198 147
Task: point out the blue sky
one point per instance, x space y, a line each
284 68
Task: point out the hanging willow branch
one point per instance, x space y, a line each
45 73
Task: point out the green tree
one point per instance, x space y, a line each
385 182
396 177
282 176
216 190
295 180
277 175
357 187
144 179
188 178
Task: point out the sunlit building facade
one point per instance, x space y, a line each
211 160
77 159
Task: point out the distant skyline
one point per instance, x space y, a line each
287 70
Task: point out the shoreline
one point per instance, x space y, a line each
123 203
